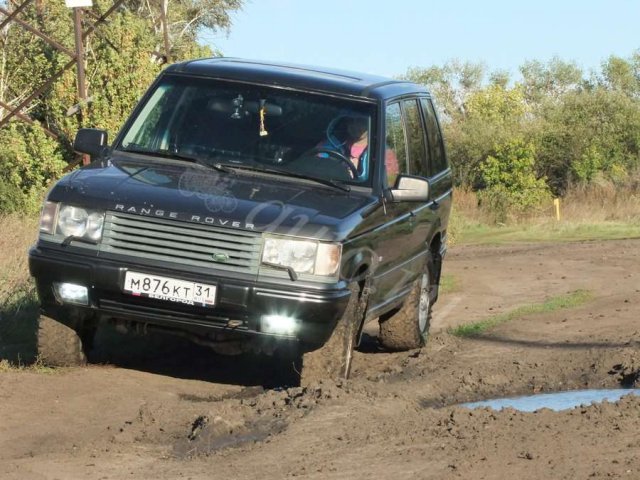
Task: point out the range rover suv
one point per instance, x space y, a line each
250 207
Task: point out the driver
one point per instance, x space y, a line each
349 136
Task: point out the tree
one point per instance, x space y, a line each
121 61
622 75
549 80
450 84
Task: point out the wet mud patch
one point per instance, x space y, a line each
245 393
208 436
249 417
627 374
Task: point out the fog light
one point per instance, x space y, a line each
71 293
279 324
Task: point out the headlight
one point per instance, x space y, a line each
304 256
49 217
80 222
67 221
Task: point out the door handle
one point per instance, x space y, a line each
435 206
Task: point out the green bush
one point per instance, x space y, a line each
11 197
29 161
510 181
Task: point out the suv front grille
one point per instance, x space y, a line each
181 242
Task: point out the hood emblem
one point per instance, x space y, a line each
220 257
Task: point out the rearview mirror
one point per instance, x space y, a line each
410 189
91 141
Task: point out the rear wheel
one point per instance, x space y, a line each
60 345
333 359
408 327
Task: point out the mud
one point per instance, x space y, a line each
154 407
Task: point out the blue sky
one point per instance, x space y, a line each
387 37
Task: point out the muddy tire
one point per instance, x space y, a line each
333 359
59 345
408 327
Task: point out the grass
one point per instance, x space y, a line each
448 283
36 366
547 232
560 302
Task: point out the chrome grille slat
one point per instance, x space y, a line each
168 252
180 242
198 231
204 247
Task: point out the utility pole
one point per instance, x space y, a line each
77 5
164 7
77 29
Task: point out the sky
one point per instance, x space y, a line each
388 37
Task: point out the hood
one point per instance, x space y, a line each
188 192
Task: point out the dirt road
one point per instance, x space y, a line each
154 408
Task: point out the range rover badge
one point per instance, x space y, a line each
220 257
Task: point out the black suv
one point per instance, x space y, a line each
249 206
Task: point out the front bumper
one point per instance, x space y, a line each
240 303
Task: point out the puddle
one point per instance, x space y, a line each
555 401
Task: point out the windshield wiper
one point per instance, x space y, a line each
178 156
323 181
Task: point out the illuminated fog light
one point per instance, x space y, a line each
71 293
279 324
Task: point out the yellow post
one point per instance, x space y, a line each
556 203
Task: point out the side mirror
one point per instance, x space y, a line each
410 189
91 141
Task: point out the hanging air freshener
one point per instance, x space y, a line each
263 113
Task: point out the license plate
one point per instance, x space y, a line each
170 289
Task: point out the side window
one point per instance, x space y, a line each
418 165
436 144
395 161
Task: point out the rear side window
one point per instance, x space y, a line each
396 145
418 165
436 144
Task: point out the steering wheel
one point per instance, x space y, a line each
335 154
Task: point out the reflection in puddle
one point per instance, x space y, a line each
555 401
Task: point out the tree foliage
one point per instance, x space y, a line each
556 123
123 56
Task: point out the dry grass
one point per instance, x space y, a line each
601 202
599 211
17 234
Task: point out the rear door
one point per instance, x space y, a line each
423 216
401 241
440 175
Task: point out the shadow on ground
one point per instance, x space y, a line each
165 354
18 325
154 353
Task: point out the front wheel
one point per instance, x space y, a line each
408 327
60 345
333 359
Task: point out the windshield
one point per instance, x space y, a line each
256 127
